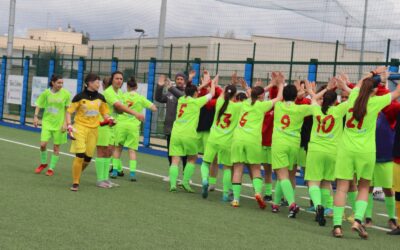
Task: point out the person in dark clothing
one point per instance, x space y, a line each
170 98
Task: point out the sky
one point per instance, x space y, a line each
105 19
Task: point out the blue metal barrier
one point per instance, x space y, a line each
150 89
22 115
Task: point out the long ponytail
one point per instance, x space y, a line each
229 93
360 105
328 100
255 93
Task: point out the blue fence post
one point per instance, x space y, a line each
248 71
114 65
52 64
393 68
196 67
150 88
22 115
81 69
2 84
312 70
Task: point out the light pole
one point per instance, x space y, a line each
141 31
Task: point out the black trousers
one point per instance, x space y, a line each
184 159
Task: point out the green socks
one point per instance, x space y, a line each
390 207
117 164
43 157
100 169
227 180
368 212
268 189
106 168
326 198
287 189
173 175
132 165
53 161
278 193
188 173
205 171
338 215
351 198
315 194
212 180
237 187
361 206
257 185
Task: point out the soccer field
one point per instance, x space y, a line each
39 212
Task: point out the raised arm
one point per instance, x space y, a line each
279 80
160 96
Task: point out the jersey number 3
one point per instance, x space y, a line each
226 120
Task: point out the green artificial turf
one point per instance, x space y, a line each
39 212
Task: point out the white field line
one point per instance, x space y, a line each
162 176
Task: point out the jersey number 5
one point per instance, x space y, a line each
181 111
350 123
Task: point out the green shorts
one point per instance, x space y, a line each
320 166
350 163
222 152
383 175
284 156
245 152
182 146
106 136
302 157
266 155
396 177
127 135
58 136
202 138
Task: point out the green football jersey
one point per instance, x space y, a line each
249 127
359 136
112 97
135 102
187 116
54 105
327 129
221 132
288 119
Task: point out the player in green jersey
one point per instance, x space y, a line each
246 144
106 139
288 119
127 130
325 134
357 149
220 140
184 134
54 101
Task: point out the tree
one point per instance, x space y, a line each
230 34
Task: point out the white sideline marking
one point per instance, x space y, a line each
194 184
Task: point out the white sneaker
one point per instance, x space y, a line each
166 179
112 184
